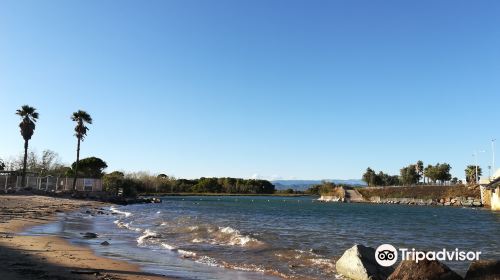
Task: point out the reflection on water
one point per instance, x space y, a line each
262 237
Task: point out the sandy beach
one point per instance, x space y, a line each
51 257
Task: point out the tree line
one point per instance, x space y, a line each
143 182
415 174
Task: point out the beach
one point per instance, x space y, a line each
52 257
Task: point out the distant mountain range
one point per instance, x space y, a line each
302 185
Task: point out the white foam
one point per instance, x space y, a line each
198 240
208 261
236 238
186 253
121 224
147 234
168 246
126 214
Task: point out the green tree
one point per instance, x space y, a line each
81 118
29 116
91 167
420 169
431 173
2 164
439 172
470 174
112 181
370 177
444 172
409 175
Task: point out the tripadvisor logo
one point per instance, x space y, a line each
387 255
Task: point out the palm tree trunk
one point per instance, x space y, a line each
25 162
76 165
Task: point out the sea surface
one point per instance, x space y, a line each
261 237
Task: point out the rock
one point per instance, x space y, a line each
358 263
100 212
447 203
423 270
105 243
477 203
483 270
441 201
88 212
89 235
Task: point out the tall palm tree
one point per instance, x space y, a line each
81 118
470 174
28 115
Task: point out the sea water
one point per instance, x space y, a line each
261 237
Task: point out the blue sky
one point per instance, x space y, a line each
275 89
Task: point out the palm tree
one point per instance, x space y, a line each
470 174
81 118
28 116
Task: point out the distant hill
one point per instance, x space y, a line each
302 185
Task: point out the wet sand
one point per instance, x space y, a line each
52 257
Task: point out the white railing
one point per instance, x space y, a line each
49 183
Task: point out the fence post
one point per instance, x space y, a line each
6 179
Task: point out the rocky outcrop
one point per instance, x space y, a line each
483 270
358 263
423 270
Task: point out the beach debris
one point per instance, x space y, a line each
89 235
425 269
483 270
105 243
358 263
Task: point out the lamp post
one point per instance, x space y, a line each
493 154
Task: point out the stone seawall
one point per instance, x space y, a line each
447 201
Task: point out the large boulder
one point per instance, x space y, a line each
423 270
358 263
483 270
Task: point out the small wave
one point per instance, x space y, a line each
233 237
186 253
121 224
148 234
168 246
208 261
114 210
198 240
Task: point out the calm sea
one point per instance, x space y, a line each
221 237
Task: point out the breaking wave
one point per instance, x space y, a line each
114 210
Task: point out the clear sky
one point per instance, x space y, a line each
276 89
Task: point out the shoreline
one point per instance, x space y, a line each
222 194
25 257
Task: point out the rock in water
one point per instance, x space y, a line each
105 243
89 235
483 270
358 263
423 270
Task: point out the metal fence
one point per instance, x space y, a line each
49 183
